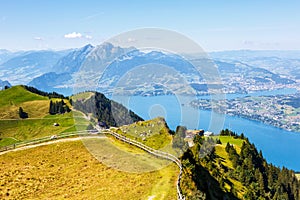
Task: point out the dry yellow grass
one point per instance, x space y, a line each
68 170
35 109
81 96
298 176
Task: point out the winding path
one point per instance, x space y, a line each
65 138
47 143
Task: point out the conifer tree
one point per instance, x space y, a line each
22 114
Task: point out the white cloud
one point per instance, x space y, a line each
38 38
88 37
73 35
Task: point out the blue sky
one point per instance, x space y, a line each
214 25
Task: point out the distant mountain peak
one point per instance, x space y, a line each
73 60
3 84
88 46
106 45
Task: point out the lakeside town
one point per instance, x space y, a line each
282 111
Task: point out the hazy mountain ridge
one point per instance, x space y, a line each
68 70
106 66
61 72
28 65
250 72
285 63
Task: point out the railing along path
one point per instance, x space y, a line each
154 152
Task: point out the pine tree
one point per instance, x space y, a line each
228 146
22 114
61 107
51 111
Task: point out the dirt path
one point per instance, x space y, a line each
51 142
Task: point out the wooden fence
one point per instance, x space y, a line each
154 152
150 150
45 139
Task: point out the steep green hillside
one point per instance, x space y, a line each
104 109
234 170
154 133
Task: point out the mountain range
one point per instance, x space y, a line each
24 66
113 69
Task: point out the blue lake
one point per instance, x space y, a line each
279 146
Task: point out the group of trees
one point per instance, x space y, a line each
58 107
45 94
262 179
105 110
228 132
206 177
178 138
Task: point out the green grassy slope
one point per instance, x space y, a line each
11 99
223 159
153 133
39 123
16 95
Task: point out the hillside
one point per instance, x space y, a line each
104 109
116 168
39 173
39 122
17 95
234 170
